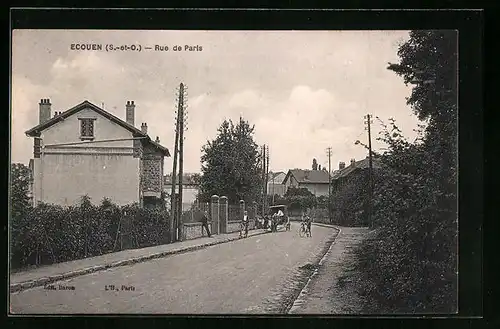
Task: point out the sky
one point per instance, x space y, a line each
304 91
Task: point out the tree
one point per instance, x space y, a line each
315 165
19 188
414 253
299 198
430 57
230 164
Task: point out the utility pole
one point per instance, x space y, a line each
173 199
181 152
263 179
329 150
267 172
370 205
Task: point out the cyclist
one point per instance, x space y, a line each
308 221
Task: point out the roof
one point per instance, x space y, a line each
35 131
308 176
274 175
361 164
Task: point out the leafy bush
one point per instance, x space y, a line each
50 233
410 265
299 199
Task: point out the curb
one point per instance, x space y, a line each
95 268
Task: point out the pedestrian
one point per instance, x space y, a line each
204 223
245 223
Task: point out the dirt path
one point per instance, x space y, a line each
329 291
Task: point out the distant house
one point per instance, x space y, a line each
190 188
86 150
344 174
275 184
316 181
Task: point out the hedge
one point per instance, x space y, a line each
50 233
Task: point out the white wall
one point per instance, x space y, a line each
68 131
65 178
108 169
317 189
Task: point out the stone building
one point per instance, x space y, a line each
86 150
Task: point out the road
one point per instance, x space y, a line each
253 275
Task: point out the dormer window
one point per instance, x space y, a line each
87 128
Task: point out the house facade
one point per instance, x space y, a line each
345 175
88 151
190 188
316 181
275 183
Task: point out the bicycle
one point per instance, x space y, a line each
302 229
243 230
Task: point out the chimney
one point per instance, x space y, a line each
341 165
157 139
353 162
130 112
44 113
144 128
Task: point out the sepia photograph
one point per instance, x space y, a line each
237 172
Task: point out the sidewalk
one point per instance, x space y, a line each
61 271
322 294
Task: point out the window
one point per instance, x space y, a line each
86 128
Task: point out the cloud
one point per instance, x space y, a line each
304 91
23 116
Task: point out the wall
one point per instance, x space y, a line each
194 230
275 188
151 172
68 131
64 173
65 178
316 189
290 182
234 226
189 193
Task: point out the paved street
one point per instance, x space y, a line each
253 275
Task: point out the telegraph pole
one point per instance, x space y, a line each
173 199
368 123
181 152
263 179
267 173
329 150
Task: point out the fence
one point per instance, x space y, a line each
193 212
233 213
224 218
